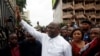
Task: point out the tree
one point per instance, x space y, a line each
62 24
28 21
55 3
21 4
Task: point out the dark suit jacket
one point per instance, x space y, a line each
26 49
31 49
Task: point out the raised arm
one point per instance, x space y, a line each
28 28
36 34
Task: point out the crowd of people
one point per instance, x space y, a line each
81 40
53 41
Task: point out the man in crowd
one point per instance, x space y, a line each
70 29
13 48
93 48
64 33
30 46
86 26
52 43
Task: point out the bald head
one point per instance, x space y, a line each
53 29
56 25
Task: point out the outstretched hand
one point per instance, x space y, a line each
18 17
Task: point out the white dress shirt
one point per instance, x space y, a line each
56 46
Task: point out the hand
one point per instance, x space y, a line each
18 17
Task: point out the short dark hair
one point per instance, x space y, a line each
76 30
11 34
86 21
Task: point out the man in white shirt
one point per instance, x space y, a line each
52 43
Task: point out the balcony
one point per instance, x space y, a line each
67 6
98 12
90 12
65 13
78 6
78 1
80 16
89 0
92 16
78 12
67 16
97 1
98 16
66 1
90 6
98 7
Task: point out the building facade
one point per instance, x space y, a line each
7 12
7 19
82 9
25 15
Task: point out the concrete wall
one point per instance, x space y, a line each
57 13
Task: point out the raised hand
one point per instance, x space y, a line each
17 13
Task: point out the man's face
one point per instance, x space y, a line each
13 39
85 26
94 32
64 32
70 29
29 37
52 30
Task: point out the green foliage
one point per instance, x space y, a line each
21 4
28 21
62 24
53 2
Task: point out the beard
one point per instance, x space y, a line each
52 35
